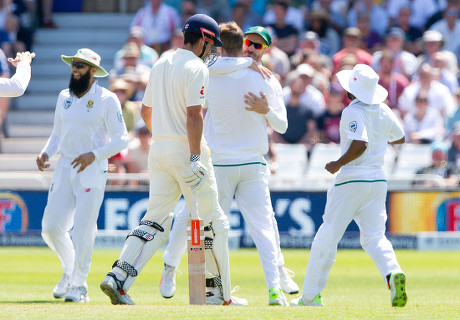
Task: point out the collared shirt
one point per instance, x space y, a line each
177 81
234 134
92 123
158 28
377 125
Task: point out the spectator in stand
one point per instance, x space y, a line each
302 125
130 110
405 63
176 42
439 166
372 41
453 155
310 45
311 97
330 39
336 17
244 16
424 124
439 96
294 16
392 81
24 11
148 56
352 42
218 9
187 9
46 10
442 74
433 42
378 17
158 21
131 60
4 101
277 58
421 10
138 151
449 27
9 28
288 35
139 83
411 33
328 123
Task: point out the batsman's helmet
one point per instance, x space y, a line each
205 25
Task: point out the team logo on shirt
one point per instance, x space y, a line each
202 92
67 103
90 104
352 126
120 116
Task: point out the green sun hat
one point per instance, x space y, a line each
90 57
261 31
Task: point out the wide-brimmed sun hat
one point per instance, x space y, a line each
362 82
90 57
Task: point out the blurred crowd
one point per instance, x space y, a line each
414 45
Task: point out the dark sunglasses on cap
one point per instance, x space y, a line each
79 65
257 46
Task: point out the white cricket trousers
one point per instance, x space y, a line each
249 185
363 202
74 201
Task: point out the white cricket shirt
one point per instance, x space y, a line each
377 125
177 81
16 86
93 122
234 134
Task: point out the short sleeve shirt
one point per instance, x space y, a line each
177 81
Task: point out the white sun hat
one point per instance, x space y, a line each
362 82
90 57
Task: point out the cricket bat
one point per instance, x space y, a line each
196 257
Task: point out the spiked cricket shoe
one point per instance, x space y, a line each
168 281
62 287
316 302
286 283
77 294
113 288
276 298
398 289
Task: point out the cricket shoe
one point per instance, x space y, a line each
62 287
316 302
168 281
214 297
398 289
77 294
287 284
276 298
113 288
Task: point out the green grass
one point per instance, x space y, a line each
355 289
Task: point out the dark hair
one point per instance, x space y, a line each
192 37
350 96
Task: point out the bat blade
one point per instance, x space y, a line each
196 262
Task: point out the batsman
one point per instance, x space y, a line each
179 162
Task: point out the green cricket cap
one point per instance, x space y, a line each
261 31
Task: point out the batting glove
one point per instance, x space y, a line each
196 176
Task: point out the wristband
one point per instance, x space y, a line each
195 157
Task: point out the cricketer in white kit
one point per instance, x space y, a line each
359 191
239 105
17 84
88 129
179 163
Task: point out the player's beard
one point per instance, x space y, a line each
78 86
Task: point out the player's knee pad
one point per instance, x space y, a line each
140 245
217 261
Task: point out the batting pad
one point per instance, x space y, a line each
217 260
137 251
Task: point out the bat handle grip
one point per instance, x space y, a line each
194 212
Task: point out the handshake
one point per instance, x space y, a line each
197 175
